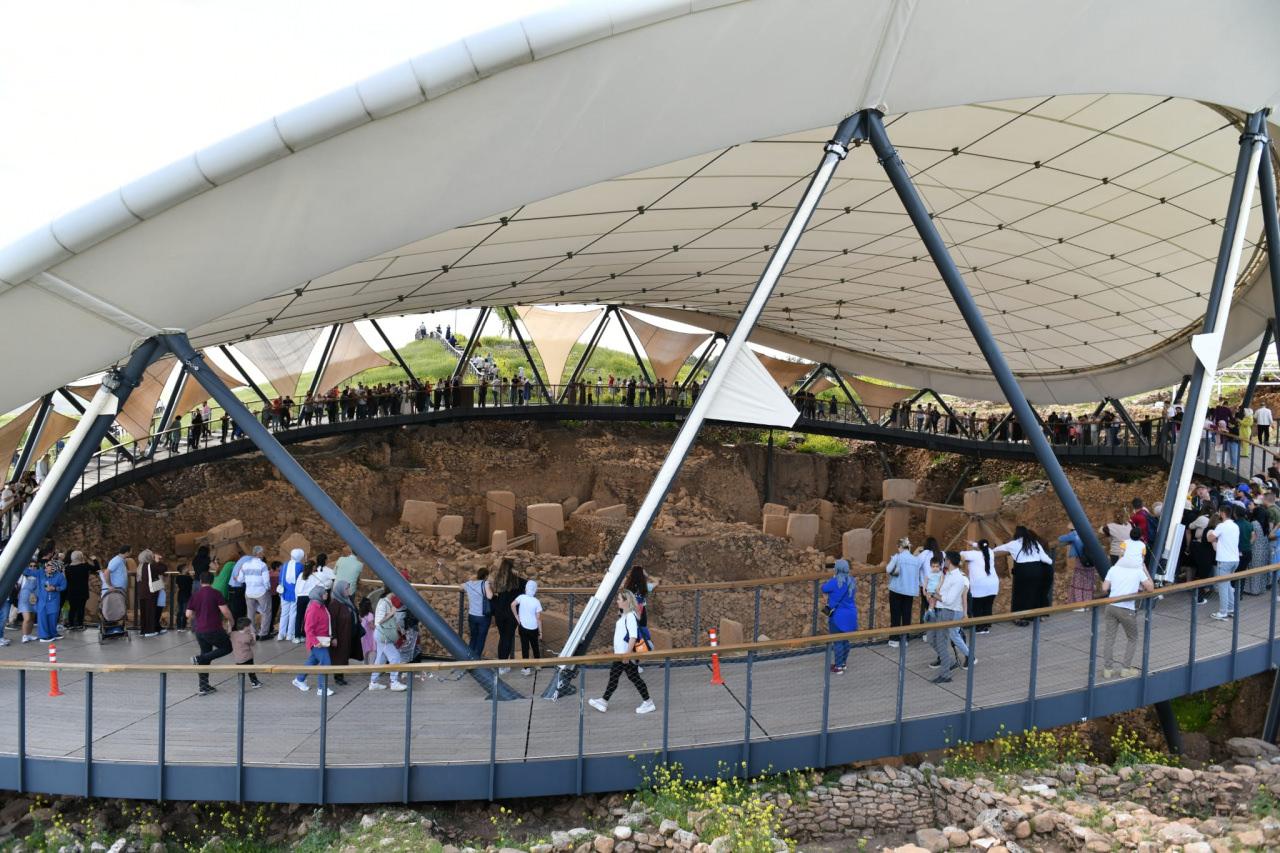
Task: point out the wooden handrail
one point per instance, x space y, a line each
863 636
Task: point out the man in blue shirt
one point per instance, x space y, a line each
904 571
116 575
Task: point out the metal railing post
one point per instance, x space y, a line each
493 739
666 707
160 726
1146 646
902 686
871 604
826 705
22 731
1235 626
579 767
1093 661
697 615
755 619
968 682
1191 646
1271 624
88 734
813 613
1035 665
746 727
323 686
240 739
406 778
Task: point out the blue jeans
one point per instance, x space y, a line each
1233 450
839 648
479 626
1226 600
8 605
318 657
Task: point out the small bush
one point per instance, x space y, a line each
1128 749
726 806
1012 486
824 445
1012 753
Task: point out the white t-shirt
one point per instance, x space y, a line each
1013 548
1125 580
1133 553
627 628
1118 534
951 593
1262 416
981 584
1226 548
527 610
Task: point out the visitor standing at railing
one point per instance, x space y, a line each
287 588
150 582
626 636
1126 577
528 612
507 585
1262 420
905 573
841 611
29 598
1260 550
1082 576
1226 544
256 579
306 583
479 610
49 589
930 554
984 583
1200 552
78 570
345 620
243 641
1031 571
1117 533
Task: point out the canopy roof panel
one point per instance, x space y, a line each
512 168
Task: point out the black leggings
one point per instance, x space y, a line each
300 616
981 607
529 640
506 638
75 616
900 611
633 674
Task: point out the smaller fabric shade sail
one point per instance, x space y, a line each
57 426
750 395
193 393
667 349
877 396
554 333
136 415
281 358
351 355
11 436
785 373
820 384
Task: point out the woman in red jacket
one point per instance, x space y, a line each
319 629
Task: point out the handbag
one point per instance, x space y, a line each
155 584
828 611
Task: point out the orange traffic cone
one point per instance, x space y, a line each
715 660
53 673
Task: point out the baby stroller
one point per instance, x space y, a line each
112 612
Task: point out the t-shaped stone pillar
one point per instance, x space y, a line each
855 545
981 499
897 519
545 522
501 506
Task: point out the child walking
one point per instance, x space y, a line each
243 641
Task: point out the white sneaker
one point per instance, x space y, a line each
893 644
646 706
377 685
599 704
27 638
399 687
328 692
1220 615
4 641
503 670
526 671
296 641
301 685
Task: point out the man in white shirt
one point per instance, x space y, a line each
254 575
948 604
1226 554
1262 419
1124 578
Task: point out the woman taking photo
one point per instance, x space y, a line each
1032 571
841 610
626 631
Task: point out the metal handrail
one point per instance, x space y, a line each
862 635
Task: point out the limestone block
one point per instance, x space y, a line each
480 517
570 504
588 508
774 509
775 525
288 543
661 638
450 527
497 541
184 544
228 531
731 633
981 499
420 516
939 522
855 545
802 529
615 511
826 510
227 551
899 490
501 508
545 521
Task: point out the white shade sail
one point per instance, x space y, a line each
554 333
351 355
750 395
281 358
667 349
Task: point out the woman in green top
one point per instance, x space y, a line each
224 577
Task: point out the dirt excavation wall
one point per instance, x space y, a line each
710 528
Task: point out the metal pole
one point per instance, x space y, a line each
768 470
75 403
528 356
1272 721
1169 725
700 363
83 443
1252 145
1000 370
853 401
1268 335
325 355
1271 227
33 436
325 506
166 417
244 374
635 350
160 722
961 426
1182 389
597 605
395 352
464 360
1128 420
592 343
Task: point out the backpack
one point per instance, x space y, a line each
1151 523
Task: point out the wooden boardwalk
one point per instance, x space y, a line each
452 719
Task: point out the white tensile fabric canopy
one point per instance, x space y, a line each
667 349
785 373
1077 164
751 395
